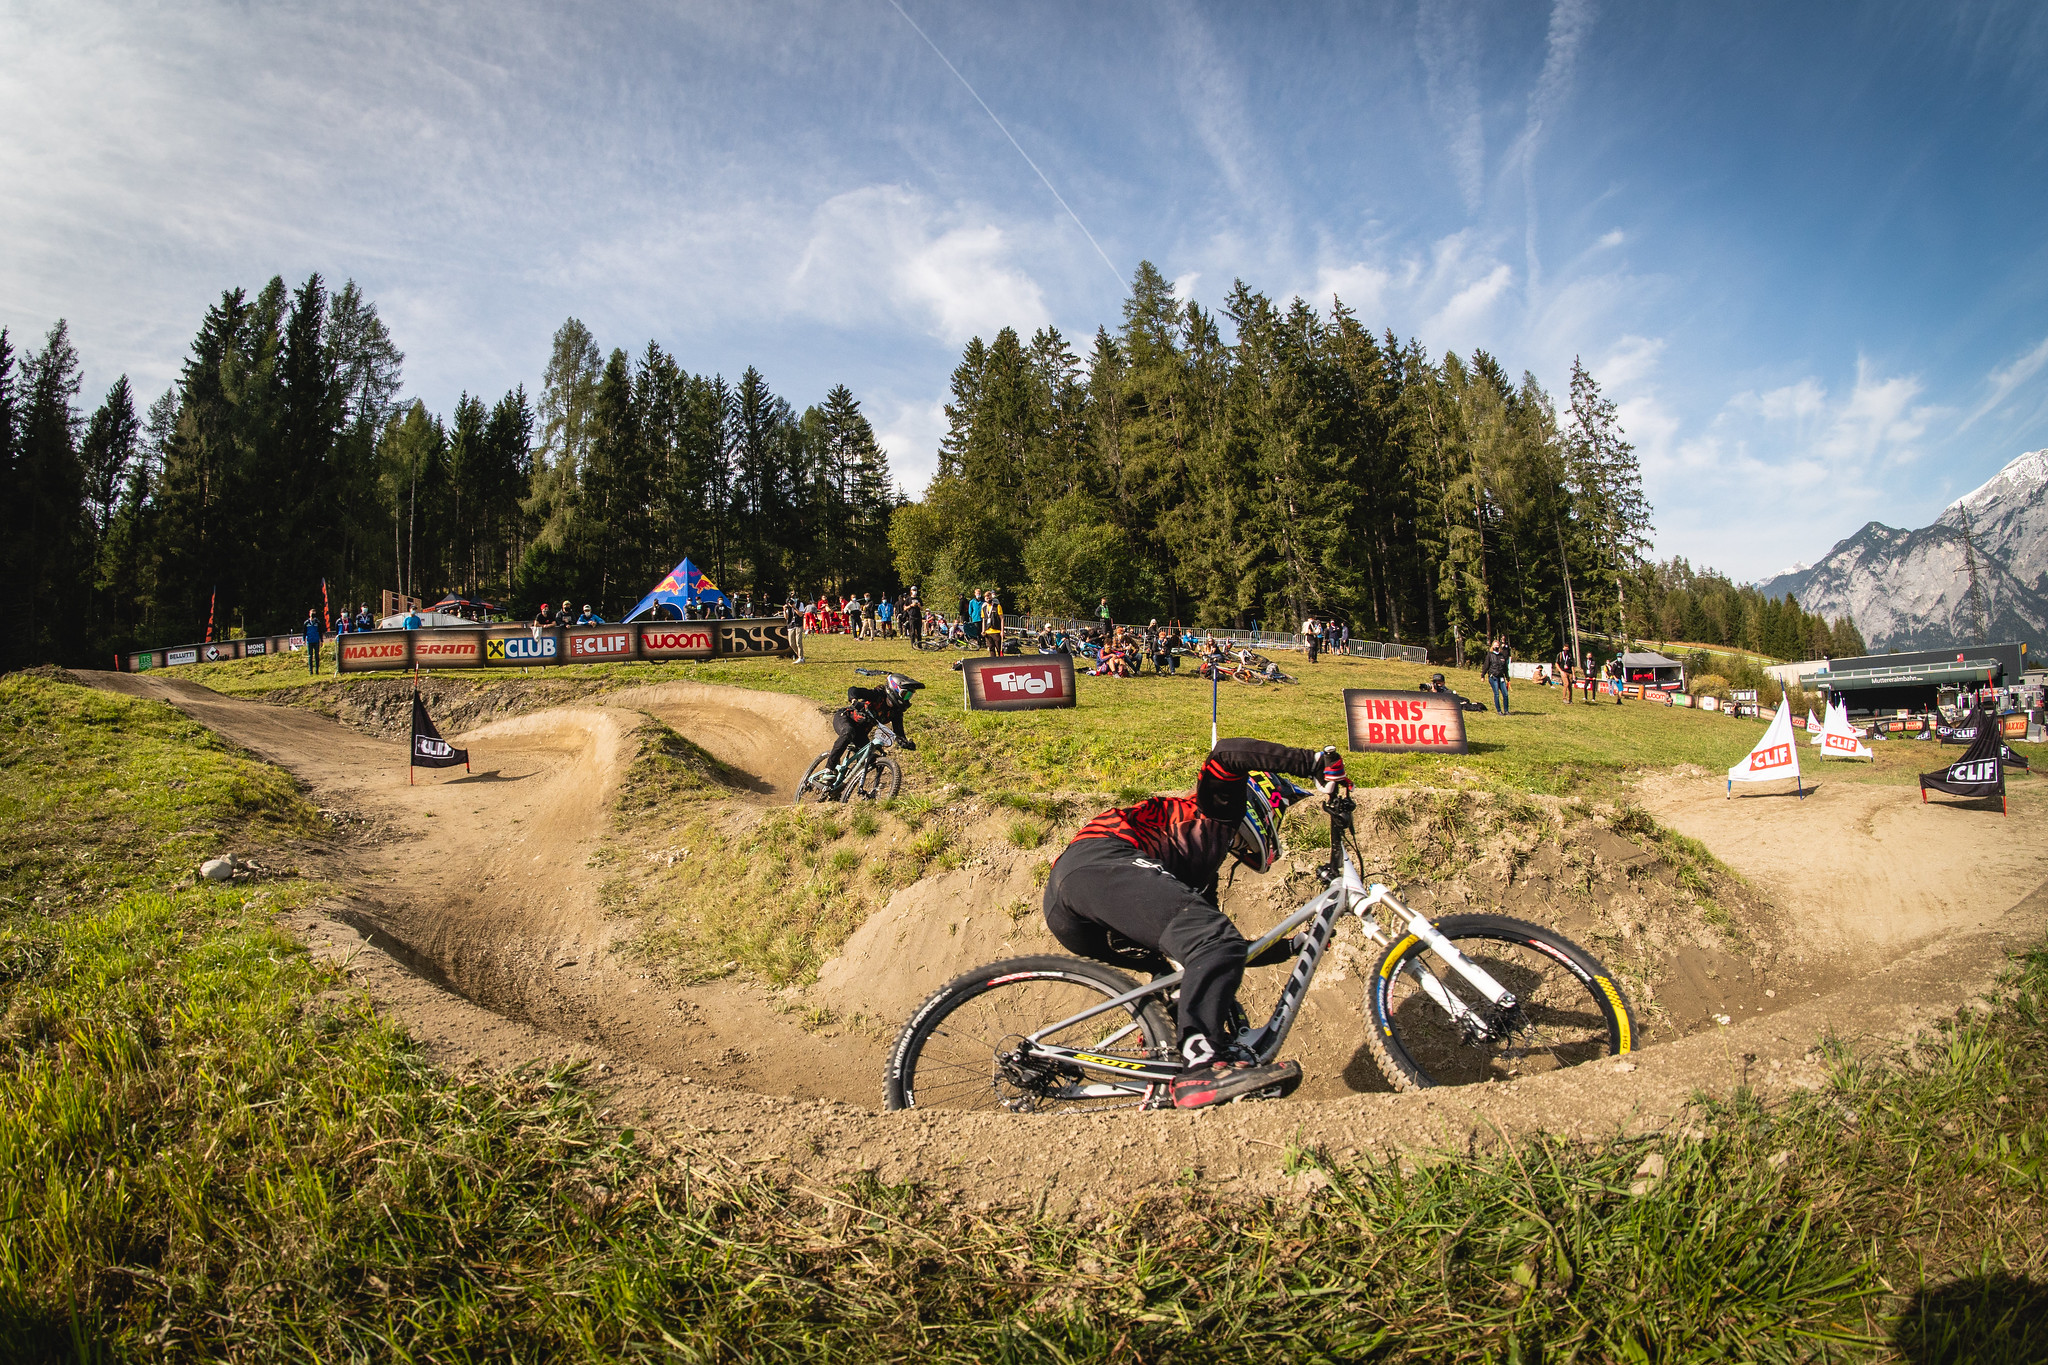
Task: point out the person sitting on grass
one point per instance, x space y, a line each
1137 888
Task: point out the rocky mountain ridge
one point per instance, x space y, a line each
1911 589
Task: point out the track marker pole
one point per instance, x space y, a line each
1215 678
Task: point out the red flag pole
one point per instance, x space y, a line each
326 612
211 602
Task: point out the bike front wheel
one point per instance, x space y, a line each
814 783
1568 1009
880 780
961 1050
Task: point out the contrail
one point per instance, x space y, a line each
1013 142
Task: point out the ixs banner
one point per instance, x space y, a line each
220 651
607 644
373 652
1036 683
1403 722
677 640
754 637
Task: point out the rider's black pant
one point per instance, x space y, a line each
1106 900
851 733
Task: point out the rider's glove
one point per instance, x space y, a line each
1333 767
909 744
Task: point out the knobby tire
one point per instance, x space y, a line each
1574 1009
947 1056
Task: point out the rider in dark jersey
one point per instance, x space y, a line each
1138 886
867 707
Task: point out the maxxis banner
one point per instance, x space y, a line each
373 651
1020 682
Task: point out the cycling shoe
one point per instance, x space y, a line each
1221 1082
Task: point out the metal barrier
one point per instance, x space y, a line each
1247 639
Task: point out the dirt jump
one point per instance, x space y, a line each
479 911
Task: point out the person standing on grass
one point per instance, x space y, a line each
1496 670
1102 615
1311 636
1614 677
1564 673
311 630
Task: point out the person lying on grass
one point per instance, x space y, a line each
1137 887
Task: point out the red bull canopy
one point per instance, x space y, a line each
684 586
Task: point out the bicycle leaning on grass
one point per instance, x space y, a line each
1451 1001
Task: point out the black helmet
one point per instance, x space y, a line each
1436 677
899 687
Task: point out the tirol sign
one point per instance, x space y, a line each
1040 682
1403 722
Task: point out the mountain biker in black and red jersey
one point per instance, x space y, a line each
1138 885
867 707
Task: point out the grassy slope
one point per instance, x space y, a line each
206 1150
1151 732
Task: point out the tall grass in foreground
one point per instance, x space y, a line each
208 1151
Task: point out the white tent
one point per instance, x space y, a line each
1838 739
1775 756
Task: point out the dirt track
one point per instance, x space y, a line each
484 884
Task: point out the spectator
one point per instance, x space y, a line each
1102 615
1496 671
970 612
588 617
1614 677
340 626
885 617
1311 636
1564 674
311 630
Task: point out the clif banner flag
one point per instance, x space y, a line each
1032 683
1404 722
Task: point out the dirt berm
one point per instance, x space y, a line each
484 911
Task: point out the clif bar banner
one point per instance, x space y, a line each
504 646
1404 722
1027 683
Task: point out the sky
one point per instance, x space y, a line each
1803 247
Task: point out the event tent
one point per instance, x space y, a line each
685 586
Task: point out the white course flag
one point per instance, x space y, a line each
1813 727
1838 738
1775 756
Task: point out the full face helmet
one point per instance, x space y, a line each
1266 797
900 687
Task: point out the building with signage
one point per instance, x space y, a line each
1915 681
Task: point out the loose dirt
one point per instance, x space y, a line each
481 910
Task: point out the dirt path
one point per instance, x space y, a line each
485 884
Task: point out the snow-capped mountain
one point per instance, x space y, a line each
1911 589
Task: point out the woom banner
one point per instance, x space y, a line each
454 648
1403 722
1017 683
373 652
677 640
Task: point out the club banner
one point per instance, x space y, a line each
374 651
521 646
1775 756
429 750
1404 722
1020 683
677 640
1978 774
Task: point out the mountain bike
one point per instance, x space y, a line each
1453 1001
868 771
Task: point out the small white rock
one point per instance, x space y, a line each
217 869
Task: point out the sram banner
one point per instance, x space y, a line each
1036 683
1403 722
371 652
447 648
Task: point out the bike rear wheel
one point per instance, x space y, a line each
952 1053
1569 1010
813 785
880 780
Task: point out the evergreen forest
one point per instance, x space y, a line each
1266 465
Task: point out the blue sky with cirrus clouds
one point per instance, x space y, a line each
1802 246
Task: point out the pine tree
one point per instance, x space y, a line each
49 544
110 446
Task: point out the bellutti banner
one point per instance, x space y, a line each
1403 722
1035 683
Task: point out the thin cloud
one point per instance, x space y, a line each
2006 379
1447 41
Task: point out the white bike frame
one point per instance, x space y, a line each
1346 893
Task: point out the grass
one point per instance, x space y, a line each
210 1148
